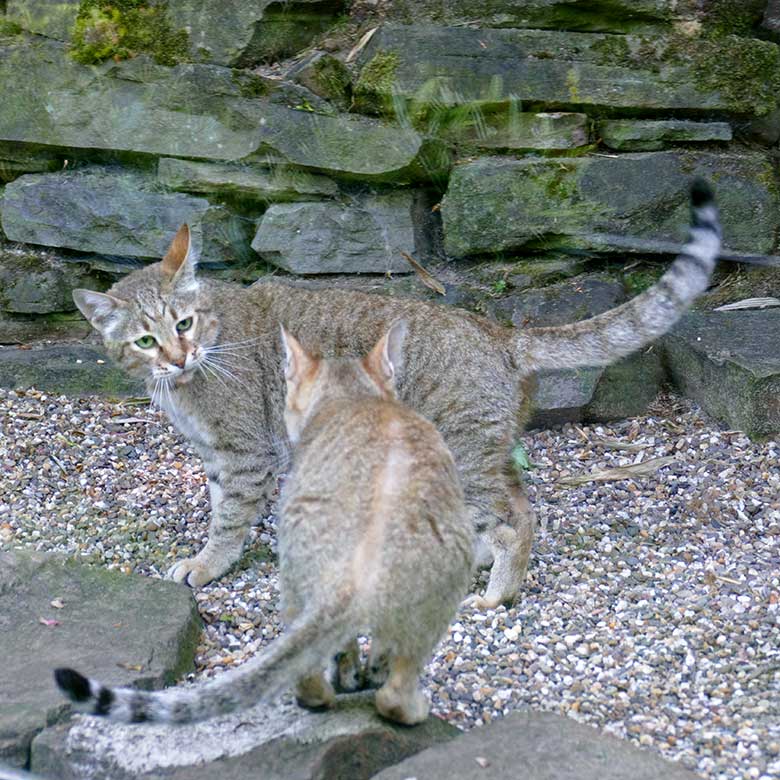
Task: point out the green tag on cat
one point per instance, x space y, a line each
520 458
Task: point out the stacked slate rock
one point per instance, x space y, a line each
505 144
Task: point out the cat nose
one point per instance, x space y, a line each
180 362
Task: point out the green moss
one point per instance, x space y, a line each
249 84
613 50
7 27
374 87
120 29
333 79
747 74
745 71
726 17
637 280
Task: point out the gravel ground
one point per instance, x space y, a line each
651 610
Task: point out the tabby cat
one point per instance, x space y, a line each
374 537
210 355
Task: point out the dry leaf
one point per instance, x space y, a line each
48 621
360 45
427 279
57 603
131 667
750 303
643 469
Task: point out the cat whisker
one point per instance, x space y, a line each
213 373
245 344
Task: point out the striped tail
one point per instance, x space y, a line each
603 339
307 645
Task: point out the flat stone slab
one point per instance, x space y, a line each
36 282
536 746
730 363
279 741
110 212
69 368
496 204
265 184
191 110
548 131
431 64
126 629
634 135
364 236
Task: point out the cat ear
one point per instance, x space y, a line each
296 361
386 357
179 261
99 308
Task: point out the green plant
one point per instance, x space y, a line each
125 28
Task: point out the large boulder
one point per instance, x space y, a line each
366 235
730 363
196 111
125 629
496 204
279 741
449 66
116 212
68 368
538 745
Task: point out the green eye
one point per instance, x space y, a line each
145 342
184 325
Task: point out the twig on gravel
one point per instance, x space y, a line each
644 469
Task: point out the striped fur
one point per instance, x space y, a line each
374 538
607 337
468 376
317 635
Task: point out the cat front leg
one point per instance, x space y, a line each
234 505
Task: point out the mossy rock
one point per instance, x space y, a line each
730 363
117 213
497 205
122 29
123 629
245 33
70 369
409 69
195 111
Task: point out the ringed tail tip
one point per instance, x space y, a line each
701 193
74 685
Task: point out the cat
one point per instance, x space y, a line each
374 537
209 354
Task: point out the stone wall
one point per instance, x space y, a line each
508 145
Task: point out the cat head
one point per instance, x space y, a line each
155 322
311 380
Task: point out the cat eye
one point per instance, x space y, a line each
184 325
146 342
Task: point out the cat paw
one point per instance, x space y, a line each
192 572
481 602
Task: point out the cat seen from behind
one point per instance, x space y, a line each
374 537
